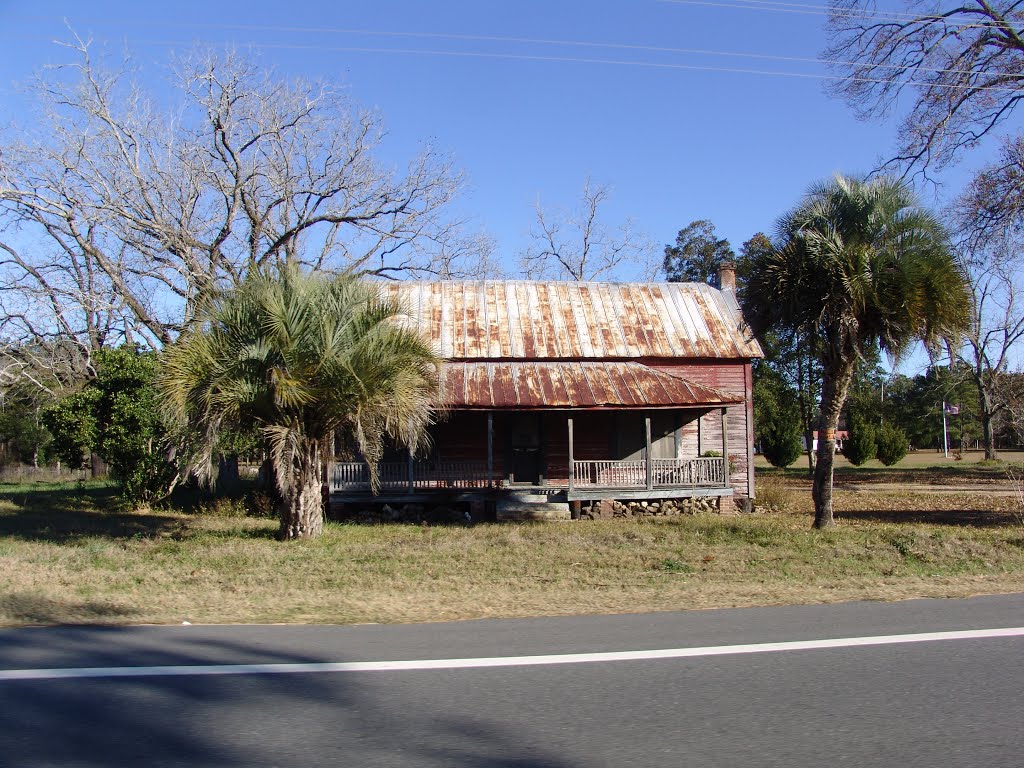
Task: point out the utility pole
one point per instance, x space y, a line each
945 438
952 410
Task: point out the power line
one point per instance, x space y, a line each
577 43
778 6
580 60
830 9
545 41
821 10
824 10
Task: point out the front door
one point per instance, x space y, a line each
524 446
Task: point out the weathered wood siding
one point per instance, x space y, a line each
462 436
733 376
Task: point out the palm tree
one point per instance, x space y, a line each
305 359
861 264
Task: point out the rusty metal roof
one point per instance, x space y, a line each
571 385
532 320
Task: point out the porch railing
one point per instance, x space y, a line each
688 473
395 475
706 472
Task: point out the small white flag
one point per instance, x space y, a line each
952 410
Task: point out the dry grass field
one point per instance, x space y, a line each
71 554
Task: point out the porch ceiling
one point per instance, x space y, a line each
571 385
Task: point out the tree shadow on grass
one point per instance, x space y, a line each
967 518
940 475
263 533
34 609
935 475
191 498
60 498
65 516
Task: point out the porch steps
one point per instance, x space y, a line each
530 505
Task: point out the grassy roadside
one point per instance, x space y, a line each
71 555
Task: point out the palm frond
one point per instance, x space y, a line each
301 357
864 263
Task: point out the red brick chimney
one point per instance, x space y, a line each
727 276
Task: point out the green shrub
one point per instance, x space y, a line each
781 443
72 422
892 444
115 415
776 418
862 443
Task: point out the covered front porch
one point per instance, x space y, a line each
571 455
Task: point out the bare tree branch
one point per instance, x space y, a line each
576 245
961 65
991 349
121 215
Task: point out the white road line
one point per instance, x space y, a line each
8 675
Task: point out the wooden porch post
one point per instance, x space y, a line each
725 448
572 464
650 461
575 507
490 448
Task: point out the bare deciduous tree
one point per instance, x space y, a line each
576 245
118 216
991 345
960 66
991 210
989 215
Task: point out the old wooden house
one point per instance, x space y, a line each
572 393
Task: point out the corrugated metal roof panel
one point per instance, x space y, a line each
525 320
585 328
601 385
571 385
502 386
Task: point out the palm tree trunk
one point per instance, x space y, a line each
301 505
834 388
805 394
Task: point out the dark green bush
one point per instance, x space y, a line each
892 444
781 442
861 445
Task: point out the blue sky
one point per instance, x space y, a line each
532 97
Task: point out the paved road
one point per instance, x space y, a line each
940 703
